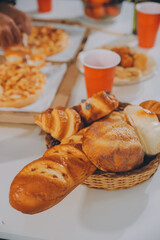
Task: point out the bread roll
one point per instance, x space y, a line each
112 145
46 181
147 127
152 106
96 107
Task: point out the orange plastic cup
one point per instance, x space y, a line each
44 5
99 69
148 20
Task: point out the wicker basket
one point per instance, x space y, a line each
125 180
119 181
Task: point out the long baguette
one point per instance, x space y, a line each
46 181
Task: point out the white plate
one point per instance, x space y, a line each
147 74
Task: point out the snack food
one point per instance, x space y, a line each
112 145
43 41
96 107
48 39
16 54
59 122
134 66
64 122
20 85
46 181
153 106
147 127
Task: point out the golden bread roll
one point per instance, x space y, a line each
147 127
153 106
46 181
96 107
112 145
59 122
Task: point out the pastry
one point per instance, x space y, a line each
153 106
147 127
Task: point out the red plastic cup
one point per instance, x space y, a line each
44 5
99 69
148 20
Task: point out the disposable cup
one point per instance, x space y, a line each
44 5
99 69
148 20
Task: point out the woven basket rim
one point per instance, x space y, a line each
133 172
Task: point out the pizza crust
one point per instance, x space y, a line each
20 85
19 103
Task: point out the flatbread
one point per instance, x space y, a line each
51 40
20 85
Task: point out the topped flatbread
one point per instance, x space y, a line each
43 41
52 40
20 85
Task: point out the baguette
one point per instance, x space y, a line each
152 106
46 181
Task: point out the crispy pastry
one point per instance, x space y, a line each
59 122
96 107
147 127
152 106
46 181
64 122
112 145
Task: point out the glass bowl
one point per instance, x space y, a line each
102 9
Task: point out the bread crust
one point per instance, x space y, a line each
113 146
153 106
46 181
20 85
19 103
49 39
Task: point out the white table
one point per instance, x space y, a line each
86 214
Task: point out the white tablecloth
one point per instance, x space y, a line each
86 214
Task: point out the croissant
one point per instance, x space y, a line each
59 122
97 107
64 122
153 106
46 181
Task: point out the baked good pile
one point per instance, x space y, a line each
92 135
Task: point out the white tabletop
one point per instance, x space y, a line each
85 213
